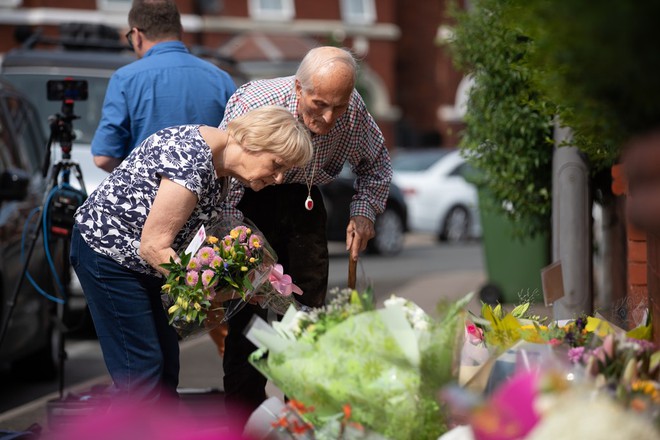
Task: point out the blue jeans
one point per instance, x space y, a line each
140 348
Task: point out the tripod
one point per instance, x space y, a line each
57 210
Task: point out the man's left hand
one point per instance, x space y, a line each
358 232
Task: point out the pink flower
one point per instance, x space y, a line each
207 276
192 277
205 255
608 346
217 262
575 354
474 333
193 264
282 282
255 242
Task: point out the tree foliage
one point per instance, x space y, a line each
508 134
589 64
599 61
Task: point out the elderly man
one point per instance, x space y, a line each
292 216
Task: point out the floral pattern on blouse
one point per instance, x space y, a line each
111 219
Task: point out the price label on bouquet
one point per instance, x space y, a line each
197 241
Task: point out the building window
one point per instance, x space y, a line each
114 5
358 11
272 9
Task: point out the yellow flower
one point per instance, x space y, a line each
248 231
252 259
212 239
234 234
244 269
166 287
173 309
197 306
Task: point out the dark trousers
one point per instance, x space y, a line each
299 238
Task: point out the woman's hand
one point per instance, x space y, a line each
170 210
358 232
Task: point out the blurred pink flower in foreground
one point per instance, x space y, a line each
128 420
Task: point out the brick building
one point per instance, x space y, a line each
406 78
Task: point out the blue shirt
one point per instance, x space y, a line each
168 86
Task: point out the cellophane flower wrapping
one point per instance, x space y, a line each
205 289
387 364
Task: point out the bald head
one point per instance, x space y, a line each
325 61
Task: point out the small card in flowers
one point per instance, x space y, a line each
553 283
196 242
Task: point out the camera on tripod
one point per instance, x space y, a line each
68 91
66 200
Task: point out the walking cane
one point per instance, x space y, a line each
352 267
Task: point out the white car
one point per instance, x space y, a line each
439 198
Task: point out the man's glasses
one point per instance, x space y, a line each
128 37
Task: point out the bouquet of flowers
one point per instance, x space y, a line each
387 363
586 353
215 277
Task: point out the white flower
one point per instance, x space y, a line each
576 415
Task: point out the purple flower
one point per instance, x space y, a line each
192 277
575 354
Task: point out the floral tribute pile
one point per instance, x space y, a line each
540 380
205 287
382 367
353 371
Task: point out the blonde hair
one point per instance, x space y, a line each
273 129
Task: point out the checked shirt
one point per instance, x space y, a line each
355 139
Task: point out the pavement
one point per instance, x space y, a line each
201 366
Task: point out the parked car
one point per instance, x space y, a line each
440 200
391 225
29 343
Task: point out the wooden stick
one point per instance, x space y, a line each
352 268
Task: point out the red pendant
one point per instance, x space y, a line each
309 203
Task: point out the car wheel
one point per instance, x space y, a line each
456 225
389 234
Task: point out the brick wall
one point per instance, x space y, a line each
638 260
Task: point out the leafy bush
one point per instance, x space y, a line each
508 134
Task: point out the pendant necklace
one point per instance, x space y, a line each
309 203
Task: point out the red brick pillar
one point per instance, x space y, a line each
643 266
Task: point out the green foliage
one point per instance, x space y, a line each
599 60
509 123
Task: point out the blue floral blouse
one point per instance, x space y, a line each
111 219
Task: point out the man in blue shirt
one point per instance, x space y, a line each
167 86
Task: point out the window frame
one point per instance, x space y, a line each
113 5
285 13
367 17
